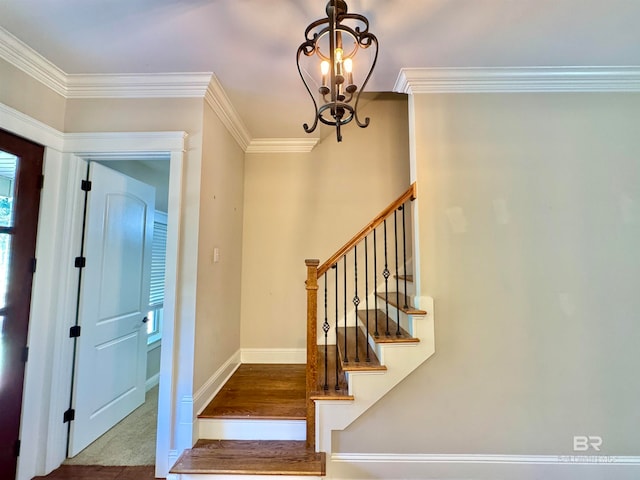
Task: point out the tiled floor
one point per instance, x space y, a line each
91 472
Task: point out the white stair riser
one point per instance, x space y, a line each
230 429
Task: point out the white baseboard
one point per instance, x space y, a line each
211 387
493 459
274 355
152 382
481 467
232 429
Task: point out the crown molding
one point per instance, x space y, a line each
157 85
282 145
523 79
25 58
218 100
132 142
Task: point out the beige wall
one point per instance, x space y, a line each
529 226
301 206
221 208
27 95
153 360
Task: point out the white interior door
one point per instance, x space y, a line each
114 297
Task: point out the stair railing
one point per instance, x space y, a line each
316 272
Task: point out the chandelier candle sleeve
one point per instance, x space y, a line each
335 41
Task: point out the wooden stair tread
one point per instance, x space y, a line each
379 317
342 393
352 365
409 278
261 391
251 457
409 309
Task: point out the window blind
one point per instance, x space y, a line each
158 258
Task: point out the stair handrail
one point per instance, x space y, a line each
410 194
313 273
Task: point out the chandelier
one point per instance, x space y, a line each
334 42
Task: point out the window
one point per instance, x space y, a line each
156 288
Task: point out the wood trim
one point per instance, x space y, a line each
312 349
410 194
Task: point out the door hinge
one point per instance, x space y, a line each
41 182
86 185
33 265
80 262
74 332
69 416
25 354
16 448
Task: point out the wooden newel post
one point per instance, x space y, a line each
312 349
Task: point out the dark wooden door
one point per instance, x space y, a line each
20 184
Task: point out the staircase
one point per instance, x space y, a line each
365 333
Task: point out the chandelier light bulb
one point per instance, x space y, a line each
348 65
324 68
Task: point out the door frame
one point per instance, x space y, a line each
83 148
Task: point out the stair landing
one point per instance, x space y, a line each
261 391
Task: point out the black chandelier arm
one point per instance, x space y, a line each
372 40
358 18
315 105
311 36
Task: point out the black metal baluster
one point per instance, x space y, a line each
346 355
375 279
395 233
356 300
404 256
385 274
366 290
325 328
335 267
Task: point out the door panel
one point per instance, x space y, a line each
112 348
20 182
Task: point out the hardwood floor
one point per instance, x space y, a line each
251 457
261 391
96 472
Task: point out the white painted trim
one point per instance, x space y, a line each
152 382
282 145
238 429
169 377
211 387
274 355
407 458
25 58
23 125
218 100
69 235
123 145
519 79
153 85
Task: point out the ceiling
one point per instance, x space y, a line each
251 44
